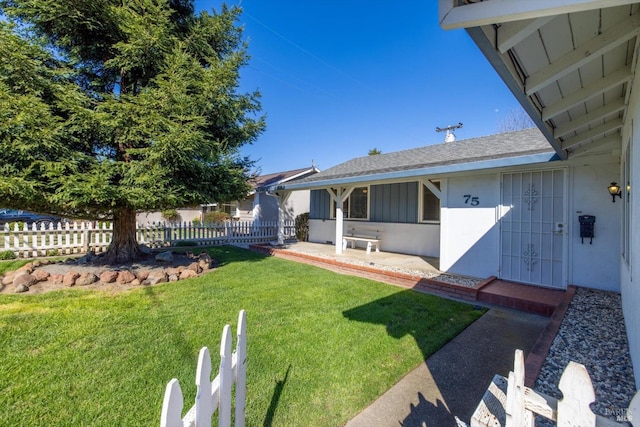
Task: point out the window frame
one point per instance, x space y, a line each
345 212
421 200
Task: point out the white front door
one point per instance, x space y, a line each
532 235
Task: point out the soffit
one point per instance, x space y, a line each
572 72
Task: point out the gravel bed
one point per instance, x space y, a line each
592 333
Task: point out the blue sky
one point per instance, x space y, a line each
339 78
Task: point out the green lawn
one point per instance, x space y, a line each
321 346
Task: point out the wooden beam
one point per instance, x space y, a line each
585 148
597 132
512 33
598 87
593 49
500 11
590 117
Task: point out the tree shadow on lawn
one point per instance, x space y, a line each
224 255
432 322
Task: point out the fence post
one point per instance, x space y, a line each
172 405
241 369
516 414
577 391
205 406
226 378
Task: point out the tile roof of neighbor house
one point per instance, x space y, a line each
279 177
499 146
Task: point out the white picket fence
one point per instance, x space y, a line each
509 403
83 236
212 395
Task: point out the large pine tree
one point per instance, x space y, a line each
108 108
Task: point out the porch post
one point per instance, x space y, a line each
282 200
339 221
339 196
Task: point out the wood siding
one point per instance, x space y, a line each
394 202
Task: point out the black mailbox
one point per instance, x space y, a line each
587 223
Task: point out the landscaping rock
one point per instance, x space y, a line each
156 277
21 288
204 261
86 279
125 277
56 279
145 249
142 275
186 274
174 271
195 266
41 275
7 279
165 256
135 282
69 279
25 280
173 277
108 276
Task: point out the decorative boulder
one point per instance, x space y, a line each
165 256
56 279
7 279
145 249
86 279
194 266
156 277
21 288
108 276
41 275
125 276
187 274
25 280
142 275
69 279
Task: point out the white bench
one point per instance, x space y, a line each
369 237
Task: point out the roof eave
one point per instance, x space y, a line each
497 62
413 173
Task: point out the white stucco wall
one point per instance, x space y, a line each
630 290
186 215
594 265
414 239
469 234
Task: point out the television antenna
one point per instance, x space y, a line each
450 136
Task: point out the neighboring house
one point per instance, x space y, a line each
259 205
262 205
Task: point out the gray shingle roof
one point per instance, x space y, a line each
504 145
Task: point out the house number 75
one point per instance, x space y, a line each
471 200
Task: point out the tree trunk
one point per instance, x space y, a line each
124 245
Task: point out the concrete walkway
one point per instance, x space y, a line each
453 380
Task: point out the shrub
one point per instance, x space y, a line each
185 243
196 222
302 227
171 215
53 252
4 255
213 217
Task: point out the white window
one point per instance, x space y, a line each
429 203
356 206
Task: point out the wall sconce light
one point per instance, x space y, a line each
614 190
